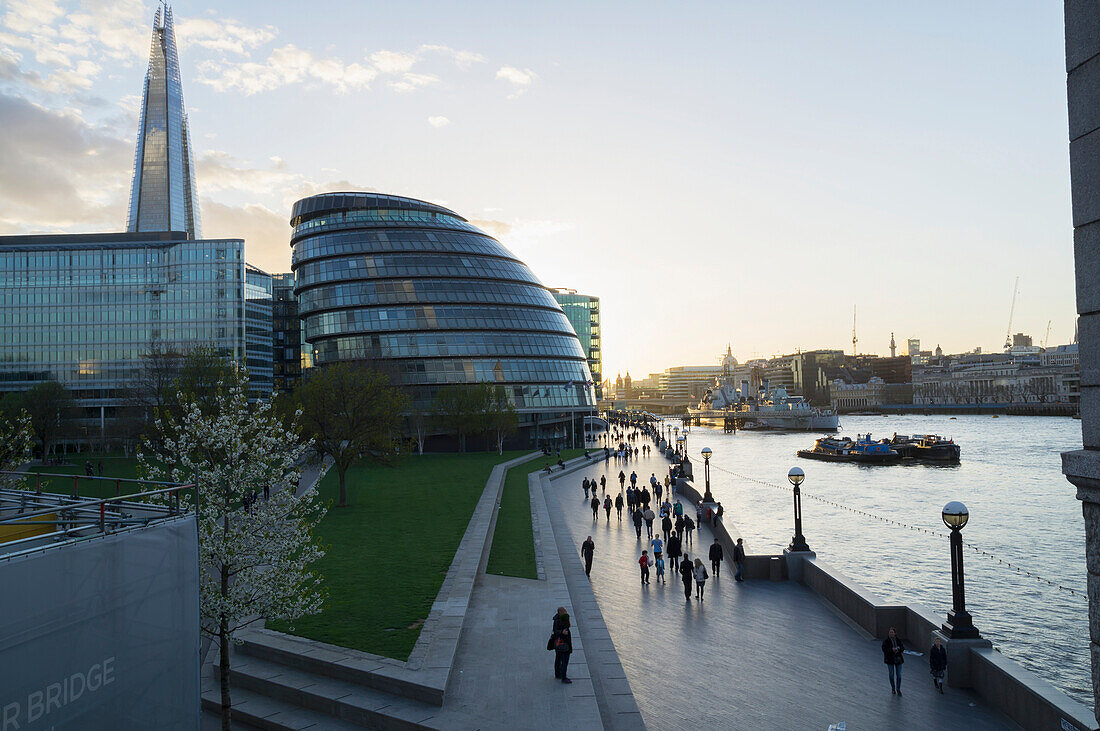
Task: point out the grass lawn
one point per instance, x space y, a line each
389 550
513 551
115 464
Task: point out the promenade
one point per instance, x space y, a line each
759 654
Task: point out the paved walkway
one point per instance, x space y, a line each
755 655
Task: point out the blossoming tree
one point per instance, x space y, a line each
255 546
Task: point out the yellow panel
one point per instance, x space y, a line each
15 531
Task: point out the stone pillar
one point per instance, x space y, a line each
1082 468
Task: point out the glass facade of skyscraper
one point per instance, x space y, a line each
583 312
258 330
82 309
413 284
290 353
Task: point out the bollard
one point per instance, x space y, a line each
775 568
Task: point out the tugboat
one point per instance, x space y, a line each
931 447
842 449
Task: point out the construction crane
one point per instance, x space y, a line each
1046 338
1011 312
854 338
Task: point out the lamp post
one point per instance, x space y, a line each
686 431
959 624
707 497
798 542
676 432
680 447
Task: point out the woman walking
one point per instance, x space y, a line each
562 641
892 649
937 661
687 575
701 576
619 506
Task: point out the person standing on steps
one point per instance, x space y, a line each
673 548
637 517
700 578
689 528
649 518
892 649
587 549
595 505
563 645
607 507
739 560
937 662
687 575
716 557
643 563
619 506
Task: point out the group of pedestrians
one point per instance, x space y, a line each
893 654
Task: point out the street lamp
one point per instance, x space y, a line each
959 624
676 432
680 447
707 497
798 542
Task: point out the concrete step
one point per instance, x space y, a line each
331 699
371 671
255 710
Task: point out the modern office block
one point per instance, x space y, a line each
417 287
583 312
290 353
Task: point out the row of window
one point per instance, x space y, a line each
21 317
97 259
433 318
139 334
412 345
111 297
523 397
390 216
369 242
227 275
423 291
411 265
528 370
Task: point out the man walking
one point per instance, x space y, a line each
689 529
595 505
739 560
619 506
666 526
622 479
673 548
587 548
715 557
687 575
643 563
649 517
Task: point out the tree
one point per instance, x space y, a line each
256 553
502 418
16 443
352 412
418 424
48 404
455 409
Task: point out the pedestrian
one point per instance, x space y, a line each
657 491
649 517
633 478
666 526
678 509
892 649
562 641
937 661
667 481
679 526
658 547
603 483
689 528
673 548
716 557
587 548
619 506
267 493
622 479
645 498
653 479
687 575
739 560
700 578
595 505
585 486
643 563
607 507
629 498
660 563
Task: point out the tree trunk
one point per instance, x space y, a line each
343 488
223 644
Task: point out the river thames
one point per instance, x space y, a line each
1022 511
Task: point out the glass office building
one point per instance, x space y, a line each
258 330
290 352
417 286
82 309
162 195
583 312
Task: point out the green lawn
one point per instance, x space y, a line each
115 464
513 551
389 550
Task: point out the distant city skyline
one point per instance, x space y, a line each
740 173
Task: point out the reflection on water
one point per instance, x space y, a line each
1022 510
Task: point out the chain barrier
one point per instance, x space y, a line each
890 521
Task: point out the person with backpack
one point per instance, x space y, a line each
687 575
561 642
700 578
716 557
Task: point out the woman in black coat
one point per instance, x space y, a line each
937 661
892 650
562 641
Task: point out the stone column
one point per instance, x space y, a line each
1082 468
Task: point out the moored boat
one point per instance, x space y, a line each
931 447
862 450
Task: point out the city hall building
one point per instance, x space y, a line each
419 288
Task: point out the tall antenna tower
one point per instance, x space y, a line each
1011 312
854 338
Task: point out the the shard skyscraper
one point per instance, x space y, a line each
162 197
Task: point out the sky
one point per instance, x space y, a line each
735 172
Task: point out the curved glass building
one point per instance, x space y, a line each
415 285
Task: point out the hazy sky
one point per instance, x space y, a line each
739 172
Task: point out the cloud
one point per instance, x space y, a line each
412 82
285 65
516 77
438 121
223 35
463 59
392 62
